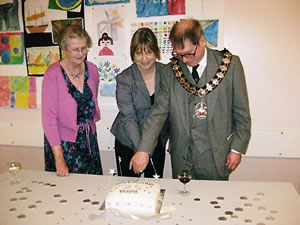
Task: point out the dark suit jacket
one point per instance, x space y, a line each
134 106
229 122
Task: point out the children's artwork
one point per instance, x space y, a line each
176 7
105 42
9 15
103 2
40 58
210 30
11 48
38 16
64 4
58 25
18 92
107 30
161 29
108 70
147 8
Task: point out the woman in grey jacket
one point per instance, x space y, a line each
135 94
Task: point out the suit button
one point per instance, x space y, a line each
144 108
183 158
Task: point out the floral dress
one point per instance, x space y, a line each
83 155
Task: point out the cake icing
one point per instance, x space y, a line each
134 197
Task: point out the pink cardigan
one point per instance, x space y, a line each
59 108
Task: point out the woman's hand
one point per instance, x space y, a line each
60 163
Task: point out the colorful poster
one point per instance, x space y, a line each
9 15
11 48
104 2
18 92
40 58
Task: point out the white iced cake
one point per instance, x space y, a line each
134 197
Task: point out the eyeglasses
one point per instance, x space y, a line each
187 55
79 50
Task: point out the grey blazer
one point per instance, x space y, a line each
134 105
229 122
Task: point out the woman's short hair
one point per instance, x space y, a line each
144 39
73 31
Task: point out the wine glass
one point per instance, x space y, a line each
14 168
184 176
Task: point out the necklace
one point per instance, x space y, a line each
201 108
75 76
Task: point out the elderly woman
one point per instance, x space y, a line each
70 108
135 94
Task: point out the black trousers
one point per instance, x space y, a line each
124 154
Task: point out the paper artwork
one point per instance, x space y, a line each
58 25
65 4
148 8
18 92
9 15
38 16
108 31
210 30
161 29
40 58
104 2
11 48
108 70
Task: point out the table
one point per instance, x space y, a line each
44 198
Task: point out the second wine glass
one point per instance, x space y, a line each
184 176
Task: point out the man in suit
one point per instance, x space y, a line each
209 118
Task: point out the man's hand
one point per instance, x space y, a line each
139 162
233 160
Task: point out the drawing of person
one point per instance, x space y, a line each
105 41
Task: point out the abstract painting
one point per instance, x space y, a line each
40 58
9 15
18 92
11 48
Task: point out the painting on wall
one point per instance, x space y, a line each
161 29
11 48
148 8
58 25
108 70
104 2
9 15
107 31
38 16
210 30
40 58
65 4
18 92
